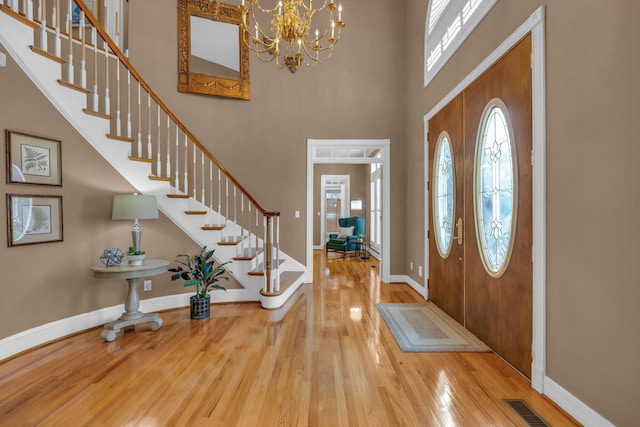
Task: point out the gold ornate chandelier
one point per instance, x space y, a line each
288 40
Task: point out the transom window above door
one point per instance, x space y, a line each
447 25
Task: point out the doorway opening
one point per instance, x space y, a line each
334 203
369 155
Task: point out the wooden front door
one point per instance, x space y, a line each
491 291
446 255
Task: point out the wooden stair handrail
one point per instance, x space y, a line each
116 50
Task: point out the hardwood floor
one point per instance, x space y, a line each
326 359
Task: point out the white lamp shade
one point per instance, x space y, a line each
134 206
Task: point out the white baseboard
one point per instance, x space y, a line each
48 332
574 406
399 278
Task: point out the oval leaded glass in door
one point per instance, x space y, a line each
443 195
495 189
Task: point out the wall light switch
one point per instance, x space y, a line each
410 266
420 270
297 214
147 285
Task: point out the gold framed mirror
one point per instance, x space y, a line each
212 59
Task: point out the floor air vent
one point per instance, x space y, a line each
526 413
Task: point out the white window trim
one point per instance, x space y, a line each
451 13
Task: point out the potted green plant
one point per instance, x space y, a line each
135 257
202 272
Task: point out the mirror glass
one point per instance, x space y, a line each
214 50
212 59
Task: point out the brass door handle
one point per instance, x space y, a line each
459 227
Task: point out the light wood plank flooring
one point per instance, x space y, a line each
326 359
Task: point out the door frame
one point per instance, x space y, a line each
345 190
536 26
350 151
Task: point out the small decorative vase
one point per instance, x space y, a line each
200 307
135 259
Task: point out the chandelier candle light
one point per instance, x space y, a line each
288 40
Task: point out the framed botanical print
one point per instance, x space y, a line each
33 159
76 12
33 219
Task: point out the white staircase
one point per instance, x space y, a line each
244 226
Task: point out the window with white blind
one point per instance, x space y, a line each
448 24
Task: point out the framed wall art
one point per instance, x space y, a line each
33 159
75 12
33 219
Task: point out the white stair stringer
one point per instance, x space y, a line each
16 37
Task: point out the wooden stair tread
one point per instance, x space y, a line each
248 254
140 159
229 241
20 17
97 114
74 87
287 279
160 178
259 270
195 212
120 138
212 227
178 196
47 55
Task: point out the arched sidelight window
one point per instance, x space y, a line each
495 188
448 24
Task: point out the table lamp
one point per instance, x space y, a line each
135 207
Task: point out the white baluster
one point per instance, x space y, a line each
107 101
186 166
118 121
58 41
219 194
128 98
94 40
235 211
194 172
202 176
168 165
43 26
211 188
70 76
149 147
29 9
158 165
139 123
226 210
83 68
177 178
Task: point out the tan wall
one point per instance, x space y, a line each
593 184
357 94
42 283
368 90
359 183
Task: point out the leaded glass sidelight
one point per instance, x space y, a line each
443 195
495 189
